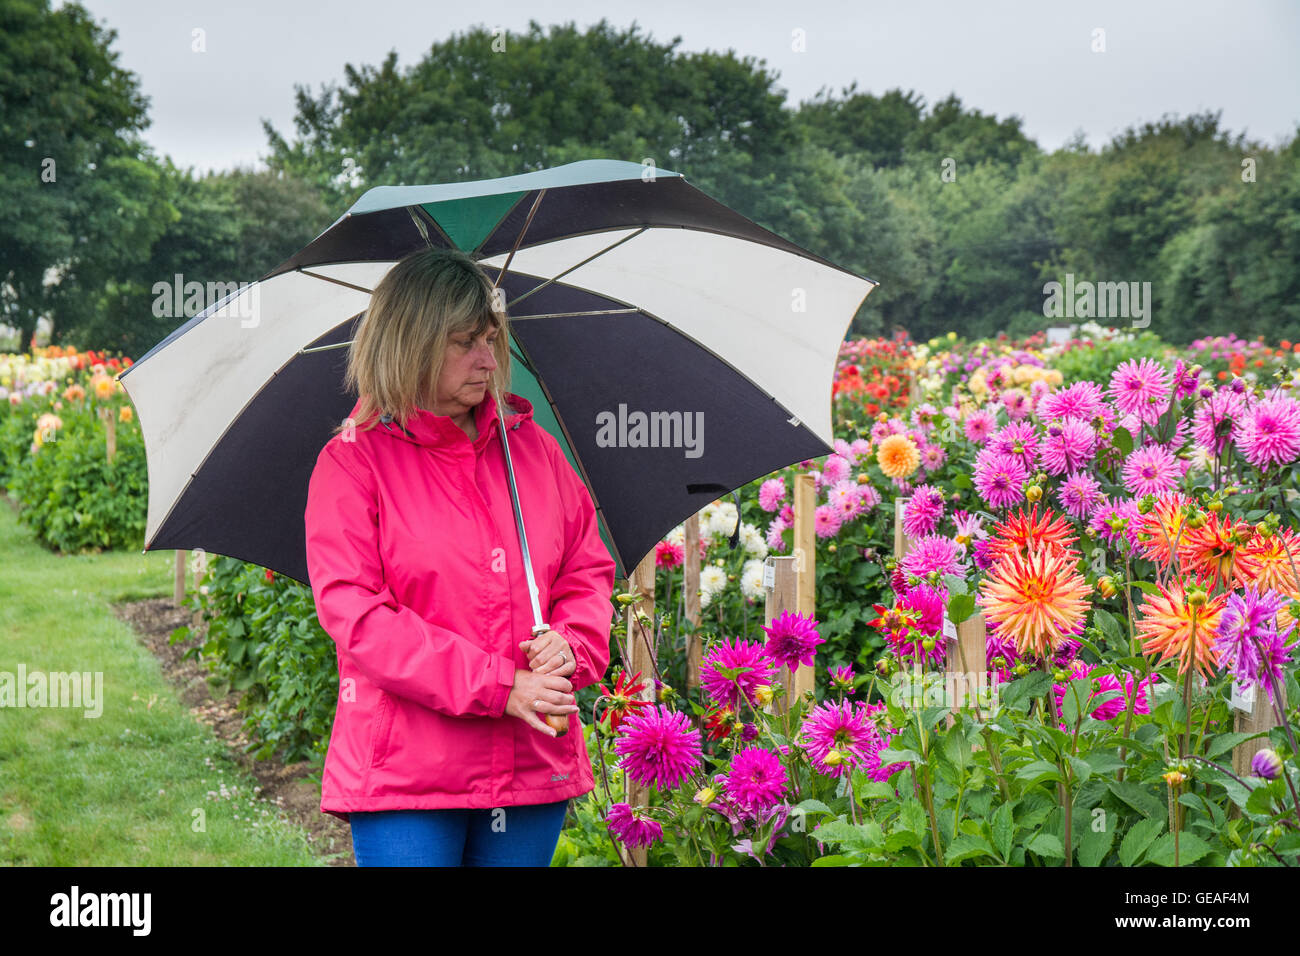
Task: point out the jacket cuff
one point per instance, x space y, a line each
505 681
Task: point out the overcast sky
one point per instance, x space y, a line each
1033 59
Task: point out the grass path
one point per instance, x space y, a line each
141 784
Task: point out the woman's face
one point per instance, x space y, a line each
467 368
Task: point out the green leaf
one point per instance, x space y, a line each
962 481
966 847
961 607
1138 797
1094 846
912 817
1038 771
955 583
1222 743
1046 844
1146 587
813 806
1123 441
1105 621
1080 767
1003 829
1190 849
1138 839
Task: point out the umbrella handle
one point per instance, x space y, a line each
557 722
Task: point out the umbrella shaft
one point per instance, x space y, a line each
538 625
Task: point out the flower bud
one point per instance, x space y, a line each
764 694
705 796
1174 777
833 758
928 644
1196 597
1106 585
1266 764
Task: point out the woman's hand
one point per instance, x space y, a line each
533 695
550 653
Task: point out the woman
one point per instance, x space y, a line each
440 752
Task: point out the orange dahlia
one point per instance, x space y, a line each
1270 563
898 456
1167 625
1158 530
1209 552
1026 534
1036 600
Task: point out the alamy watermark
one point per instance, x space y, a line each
952 689
1098 300
181 299
56 689
651 430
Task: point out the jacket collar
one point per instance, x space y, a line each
432 431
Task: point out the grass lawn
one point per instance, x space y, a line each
141 784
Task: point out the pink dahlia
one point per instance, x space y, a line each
1269 435
1141 388
1151 470
668 555
845 727
757 779
857 448
774 540
659 748
846 499
747 661
1216 419
1068 446
979 426
932 553
1080 495
1019 439
868 496
835 469
792 640
932 457
923 511
1081 400
827 521
1108 511
999 478
771 493
630 828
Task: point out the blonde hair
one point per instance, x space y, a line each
397 353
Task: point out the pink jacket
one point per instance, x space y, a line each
417 575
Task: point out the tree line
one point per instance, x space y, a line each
962 218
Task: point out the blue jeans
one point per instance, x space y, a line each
506 836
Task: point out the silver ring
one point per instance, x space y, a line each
563 659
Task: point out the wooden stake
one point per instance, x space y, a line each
805 566
1260 718
640 651
781 582
691 592
902 543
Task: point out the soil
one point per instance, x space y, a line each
285 785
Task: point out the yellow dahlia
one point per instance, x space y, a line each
898 456
1166 628
1209 552
1025 533
1036 600
1270 563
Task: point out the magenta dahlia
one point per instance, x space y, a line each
659 747
1081 400
999 478
1068 446
747 661
757 779
846 728
792 640
630 828
932 553
923 511
1080 495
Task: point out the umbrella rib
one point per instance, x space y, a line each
519 238
576 265
577 457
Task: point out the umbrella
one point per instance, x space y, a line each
640 309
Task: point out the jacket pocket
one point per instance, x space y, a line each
381 730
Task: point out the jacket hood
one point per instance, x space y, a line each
431 431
